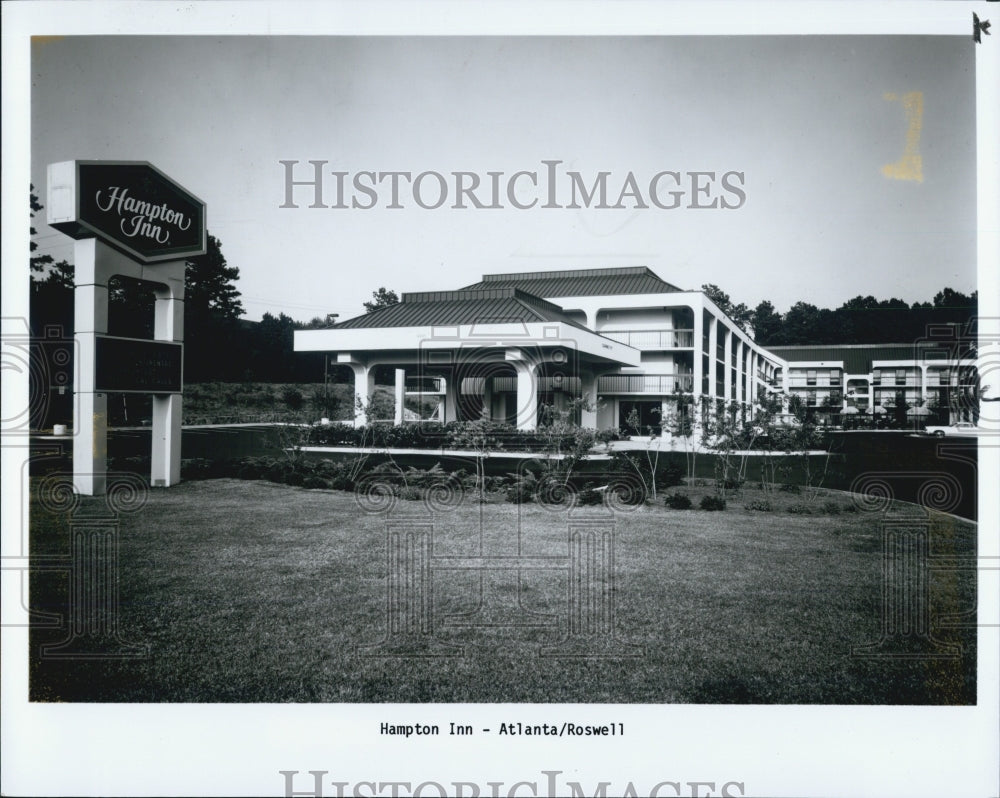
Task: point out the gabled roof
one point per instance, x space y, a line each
493 305
581 282
858 358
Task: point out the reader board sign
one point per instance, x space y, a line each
130 205
131 365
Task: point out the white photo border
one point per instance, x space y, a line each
54 749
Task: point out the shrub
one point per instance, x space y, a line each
760 505
788 487
198 468
831 508
293 398
339 477
409 493
497 484
253 467
799 509
712 503
293 477
523 488
589 496
277 472
670 475
313 481
662 471
625 490
678 501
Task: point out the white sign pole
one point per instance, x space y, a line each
90 411
167 408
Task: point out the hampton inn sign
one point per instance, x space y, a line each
131 220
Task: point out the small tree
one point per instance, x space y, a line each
483 436
800 438
382 298
647 466
681 424
564 440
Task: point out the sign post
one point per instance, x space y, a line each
128 219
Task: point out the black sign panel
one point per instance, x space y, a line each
138 210
131 365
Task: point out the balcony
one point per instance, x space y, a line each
656 384
652 339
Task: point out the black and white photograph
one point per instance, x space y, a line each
519 403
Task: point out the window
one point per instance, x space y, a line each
944 377
900 376
640 417
834 376
811 398
876 376
811 377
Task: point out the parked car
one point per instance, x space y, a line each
958 428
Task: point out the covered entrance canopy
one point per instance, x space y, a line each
485 352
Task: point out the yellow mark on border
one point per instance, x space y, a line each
910 165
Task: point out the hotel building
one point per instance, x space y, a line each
632 346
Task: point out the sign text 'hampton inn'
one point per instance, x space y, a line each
130 205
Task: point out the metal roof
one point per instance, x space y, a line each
858 358
582 282
494 305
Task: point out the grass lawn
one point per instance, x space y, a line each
250 591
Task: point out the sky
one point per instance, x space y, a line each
811 122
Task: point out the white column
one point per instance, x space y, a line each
451 389
740 376
527 395
713 341
90 419
727 373
588 392
699 326
364 387
400 395
166 455
486 411
168 325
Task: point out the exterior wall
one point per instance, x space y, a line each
688 345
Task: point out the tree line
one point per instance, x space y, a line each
222 346
861 320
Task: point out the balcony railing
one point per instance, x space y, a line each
892 382
476 386
652 339
645 383
805 382
425 385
